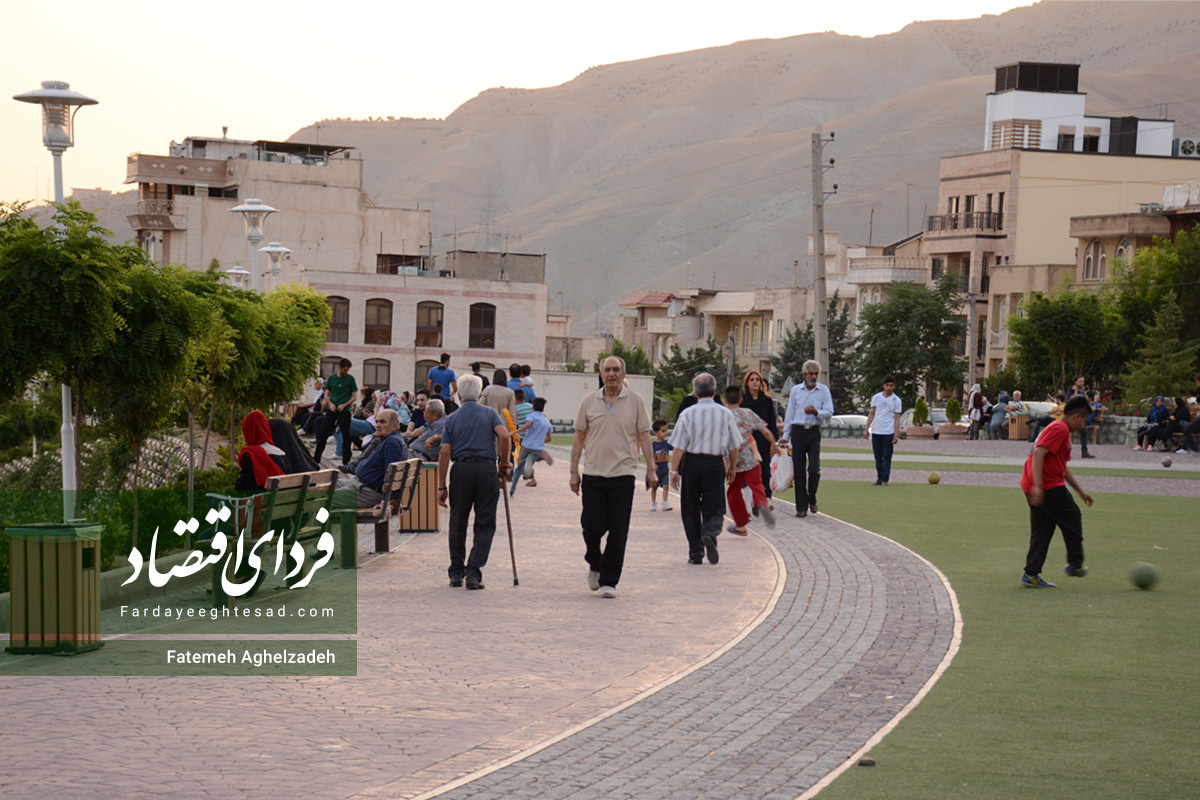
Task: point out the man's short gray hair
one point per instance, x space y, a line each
437 406
810 364
469 387
704 385
1016 394
620 361
387 415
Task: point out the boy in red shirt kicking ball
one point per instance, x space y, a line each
1044 482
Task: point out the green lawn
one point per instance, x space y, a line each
942 466
1091 690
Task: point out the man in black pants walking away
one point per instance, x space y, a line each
706 442
809 405
611 427
477 442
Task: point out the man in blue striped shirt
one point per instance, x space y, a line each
706 441
809 406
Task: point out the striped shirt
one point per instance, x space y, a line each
818 397
706 429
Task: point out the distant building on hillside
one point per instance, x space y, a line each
394 311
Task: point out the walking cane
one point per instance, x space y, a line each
508 519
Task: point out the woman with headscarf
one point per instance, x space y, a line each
1158 417
296 457
1177 420
260 458
974 407
500 397
757 398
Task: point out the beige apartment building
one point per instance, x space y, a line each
394 310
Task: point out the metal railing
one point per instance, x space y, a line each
977 221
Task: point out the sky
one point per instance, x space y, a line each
267 68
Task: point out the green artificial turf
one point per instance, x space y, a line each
1088 691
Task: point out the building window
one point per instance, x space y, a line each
745 338
397 264
422 375
339 325
377 373
1066 138
1125 251
329 366
1091 140
754 332
937 266
482 326
379 322
429 327
1094 262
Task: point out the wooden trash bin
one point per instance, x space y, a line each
1018 427
54 574
422 516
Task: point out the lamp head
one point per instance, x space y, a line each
254 211
58 119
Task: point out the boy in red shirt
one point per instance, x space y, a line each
1044 482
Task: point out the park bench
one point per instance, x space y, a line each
289 507
399 487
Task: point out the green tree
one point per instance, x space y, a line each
1163 365
799 345
913 336
1059 336
673 378
636 360
59 291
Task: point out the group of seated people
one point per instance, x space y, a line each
1162 423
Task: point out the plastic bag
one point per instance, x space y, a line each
781 470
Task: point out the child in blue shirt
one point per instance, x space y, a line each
662 463
536 431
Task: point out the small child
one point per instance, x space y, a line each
662 464
533 443
1044 481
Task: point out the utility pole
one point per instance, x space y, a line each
821 328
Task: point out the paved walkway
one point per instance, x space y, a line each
755 678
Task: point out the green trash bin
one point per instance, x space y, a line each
54 576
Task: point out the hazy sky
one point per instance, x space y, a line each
266 68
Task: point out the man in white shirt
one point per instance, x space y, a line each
706 441
809 405
883 428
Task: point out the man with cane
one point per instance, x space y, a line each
478 443
612 426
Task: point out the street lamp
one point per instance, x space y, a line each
59 105
275 254
254 211
236 276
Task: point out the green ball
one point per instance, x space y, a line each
1143 575
934 477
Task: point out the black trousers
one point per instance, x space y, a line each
1192 430
1058 509
474 485
701 499
330 421
806 463
607 503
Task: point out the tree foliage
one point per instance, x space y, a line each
1162 365
673 378
913 336
636 360
799 345
1059 336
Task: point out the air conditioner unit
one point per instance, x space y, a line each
1187 147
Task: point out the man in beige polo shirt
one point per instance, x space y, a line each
611 427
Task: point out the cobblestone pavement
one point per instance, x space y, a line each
861 626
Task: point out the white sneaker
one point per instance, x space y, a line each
654 506
593 579
665 506
608 591
528 471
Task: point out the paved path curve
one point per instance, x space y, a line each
861 628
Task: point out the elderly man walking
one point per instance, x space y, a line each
809 405
612 425
477 442
706 441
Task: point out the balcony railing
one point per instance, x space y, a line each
886 269
975 221
998 340
763 349
156 207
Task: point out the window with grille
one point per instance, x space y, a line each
339 325
378 328
482 332
377 373
429 325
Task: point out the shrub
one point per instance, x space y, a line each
953 410
920 412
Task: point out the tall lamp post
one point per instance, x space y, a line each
59 106
236 276
275 254
254 211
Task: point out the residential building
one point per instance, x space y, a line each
394 312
